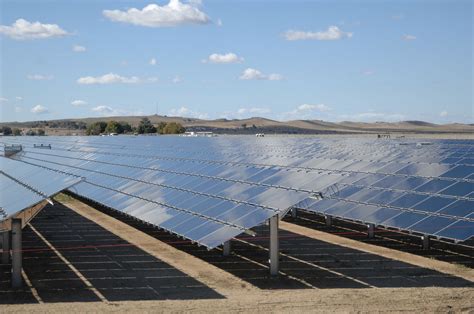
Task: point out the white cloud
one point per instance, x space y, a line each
253 111
39 77
223 58
373 117
332 33
78 48
253 74
443 114
306 111
186 112
18 109
108 111
38 109
173 14
408 37
219 22
19 98
22 30
177 79
3 99
368 72
152 61
78 103
103 109
112 78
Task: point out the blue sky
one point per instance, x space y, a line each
330 60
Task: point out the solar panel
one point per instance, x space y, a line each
239 181
23 185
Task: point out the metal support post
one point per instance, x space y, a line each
370 231
6 247
274 246
328 221
294 212
226 248
426 242
16 253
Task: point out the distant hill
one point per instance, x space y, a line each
253 125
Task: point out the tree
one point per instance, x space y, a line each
126 127
6 130
173 128
113 127
244 125
160 127
30 132
145 127
96 128
41 132
16 132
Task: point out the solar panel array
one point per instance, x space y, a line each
24 185
211 189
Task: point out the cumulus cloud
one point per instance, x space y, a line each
108 111
223 58
78 48
253 74
408 37
174 13
177 79
186 112
38 109
19 98
152 61
443 114
253 110
23 30
39 77
332 33
112 78
373 117
103 109
306 111
78 103
3 99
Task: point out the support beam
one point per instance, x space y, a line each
6 247
274 246
426 242
16 253
294 213
370 231
226 248
328 220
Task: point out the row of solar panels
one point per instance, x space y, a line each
120 168
281 177
23 185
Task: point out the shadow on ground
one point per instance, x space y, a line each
116 269
305 262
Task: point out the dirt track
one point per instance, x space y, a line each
238 295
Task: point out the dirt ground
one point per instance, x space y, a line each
81 259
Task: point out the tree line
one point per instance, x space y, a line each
144 127
6 130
